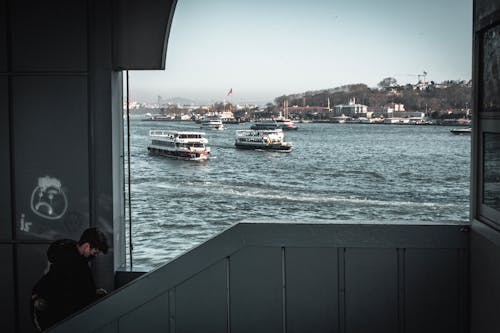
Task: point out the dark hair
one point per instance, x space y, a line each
96 238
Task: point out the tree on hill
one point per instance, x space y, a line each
447 95
387 83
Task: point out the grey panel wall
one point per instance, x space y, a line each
485 277
5 207
49 35
51 149
485 230
332 278
60 107
428 271
204 297
7 319
109 328
371 290
3 36
102 88
312 290
256 290
151 317
32 262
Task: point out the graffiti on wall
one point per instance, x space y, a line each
48 199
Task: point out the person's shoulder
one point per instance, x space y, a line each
62 250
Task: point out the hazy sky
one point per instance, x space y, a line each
266 48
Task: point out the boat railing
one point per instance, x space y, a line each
162 133
192 140
170 133
257 132
198 149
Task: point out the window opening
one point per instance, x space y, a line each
381 150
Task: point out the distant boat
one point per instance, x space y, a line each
264 124
359 120
283 121
286 124
156 117
461 131
212 123
269 124
179 144
272 139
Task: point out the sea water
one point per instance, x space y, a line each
359 172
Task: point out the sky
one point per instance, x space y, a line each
263 49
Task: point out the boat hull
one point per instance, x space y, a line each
284 148
289 128
461 131
179 155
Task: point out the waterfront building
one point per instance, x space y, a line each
351 109
386 111
406 114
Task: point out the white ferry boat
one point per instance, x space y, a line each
179 144
272 139
286 124
264 124
280 122
212 123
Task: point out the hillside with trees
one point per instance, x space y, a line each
430 97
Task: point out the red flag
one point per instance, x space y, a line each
230 92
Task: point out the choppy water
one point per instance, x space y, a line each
335 172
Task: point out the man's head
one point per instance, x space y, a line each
92 242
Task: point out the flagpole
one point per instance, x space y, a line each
230 93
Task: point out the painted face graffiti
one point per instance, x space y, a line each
48 199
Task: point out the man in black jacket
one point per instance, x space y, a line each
68 286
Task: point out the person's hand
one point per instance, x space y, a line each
101 292
39 304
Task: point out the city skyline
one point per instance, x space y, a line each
264 49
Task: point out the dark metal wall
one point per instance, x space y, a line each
61 165
6 254
55 107
141 30
485 189
300 278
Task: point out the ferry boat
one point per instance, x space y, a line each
268 124
286 124
212 123
272 139
264 124
156 117
183 145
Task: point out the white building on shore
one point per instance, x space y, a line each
351 109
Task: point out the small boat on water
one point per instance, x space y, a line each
264 124
269 124
286 124
183 145
461 131
271 139
212 123
156 117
